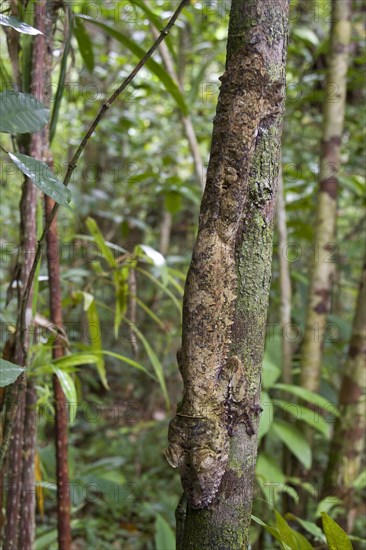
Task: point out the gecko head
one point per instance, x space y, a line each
199 448
202 476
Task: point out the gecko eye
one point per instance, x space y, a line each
207 462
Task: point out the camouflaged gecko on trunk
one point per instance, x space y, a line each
215 398
199 446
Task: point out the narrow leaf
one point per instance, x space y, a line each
154 67
99 240
9 372
306 415
69 389
43 178
310 396
95 340
85 44
129 362
21 113
18 25
158 368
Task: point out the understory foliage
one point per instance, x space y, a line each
127 226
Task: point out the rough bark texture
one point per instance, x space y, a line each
322 268
348 443
226 295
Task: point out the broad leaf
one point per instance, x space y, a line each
43 178
309 526
85 44
337 539
18 25
289 536
21 113
9 372
294 440
164 536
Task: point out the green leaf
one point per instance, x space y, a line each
44 541
21 113
309 526
294 440
154 20
95 340
309 396
289 536
75 360
85 44
129 362
154 67
43 178
18 25
167 291
69 389
307 35
306 415
274 532
149 312
337 539
99 240
158 368
164 536
9 372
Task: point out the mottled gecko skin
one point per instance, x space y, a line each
199 446
215 396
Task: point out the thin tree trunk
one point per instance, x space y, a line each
17 392
322 267
285 284
348 443
61 411
55 301
227 289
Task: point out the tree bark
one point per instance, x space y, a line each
348 442
322 268
227 288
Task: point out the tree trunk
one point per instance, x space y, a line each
325 248
227 289
348 443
